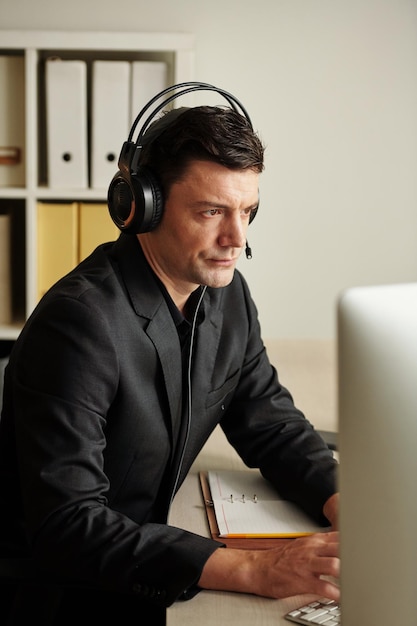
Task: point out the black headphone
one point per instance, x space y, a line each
135 197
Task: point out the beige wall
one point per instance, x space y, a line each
331 85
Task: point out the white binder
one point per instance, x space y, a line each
110 118
148 79
12 121
66 123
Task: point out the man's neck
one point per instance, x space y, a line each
178 291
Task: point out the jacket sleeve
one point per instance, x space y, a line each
270 433
64 377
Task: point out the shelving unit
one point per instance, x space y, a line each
21 201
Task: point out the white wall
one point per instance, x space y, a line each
331 85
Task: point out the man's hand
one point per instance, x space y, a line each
296 566
331 510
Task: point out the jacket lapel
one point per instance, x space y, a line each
162 332
149 305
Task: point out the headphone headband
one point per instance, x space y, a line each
185 89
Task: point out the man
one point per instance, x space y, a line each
124 370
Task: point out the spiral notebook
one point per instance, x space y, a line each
242 505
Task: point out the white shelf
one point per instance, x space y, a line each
91 40
10 332
13 192
176 49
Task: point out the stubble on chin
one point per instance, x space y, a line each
217 279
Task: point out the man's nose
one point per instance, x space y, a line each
233 232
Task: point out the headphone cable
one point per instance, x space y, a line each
189 392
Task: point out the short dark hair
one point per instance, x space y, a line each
203 133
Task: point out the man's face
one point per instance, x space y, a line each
203 229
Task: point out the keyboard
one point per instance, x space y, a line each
323 612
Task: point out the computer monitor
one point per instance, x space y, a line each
377 389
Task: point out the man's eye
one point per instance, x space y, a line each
212 212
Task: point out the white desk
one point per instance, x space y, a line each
211 608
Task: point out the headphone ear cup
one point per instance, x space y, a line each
135 203
149 200
253 214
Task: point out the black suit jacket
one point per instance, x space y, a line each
95 435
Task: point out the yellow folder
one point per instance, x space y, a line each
67 233
96 227
57 242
